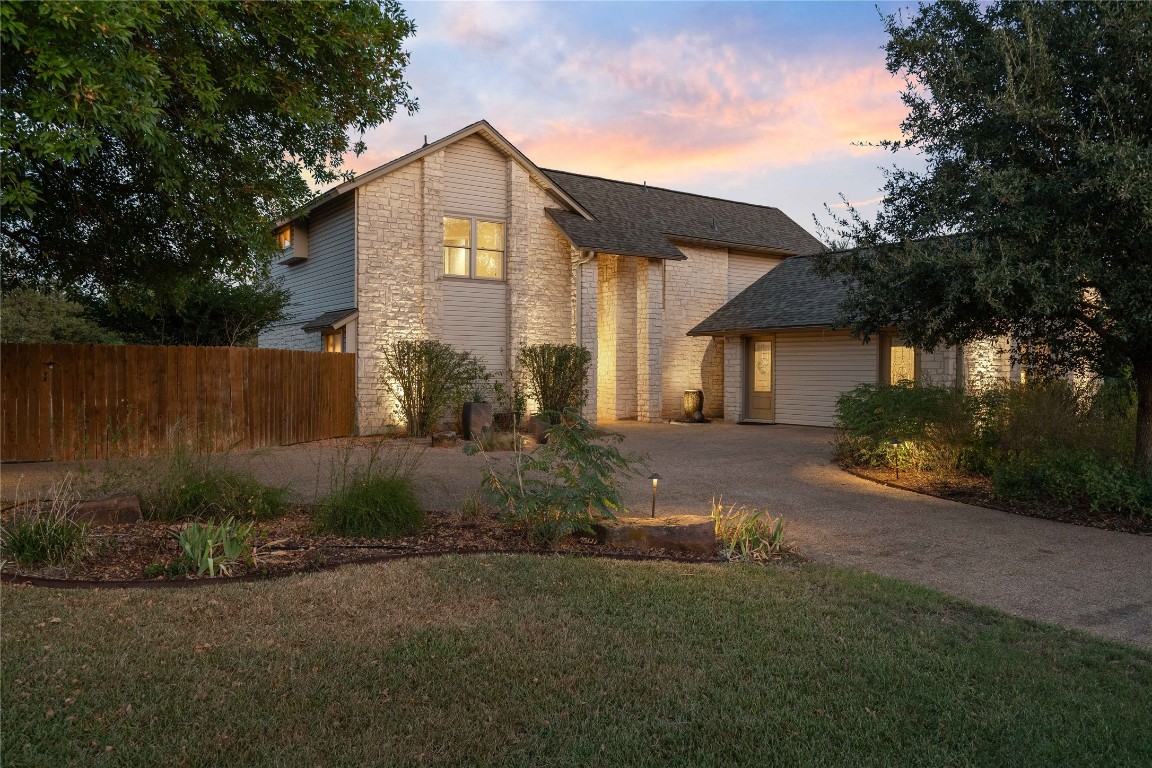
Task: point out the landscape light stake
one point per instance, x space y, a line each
896 449
655 478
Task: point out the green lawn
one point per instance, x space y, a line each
520 660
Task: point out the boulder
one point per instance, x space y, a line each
691 534
112 510
440 439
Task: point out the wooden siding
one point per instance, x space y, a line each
325 282
475 179
475 318
64 401
813 368
745 269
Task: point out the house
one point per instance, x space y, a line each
467 241
786 360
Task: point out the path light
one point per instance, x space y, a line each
655 478
896 449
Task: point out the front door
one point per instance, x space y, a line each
760 364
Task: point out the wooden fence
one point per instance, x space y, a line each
66 401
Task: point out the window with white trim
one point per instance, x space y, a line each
473 248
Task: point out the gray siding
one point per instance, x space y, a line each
813 368
325 282
745 269
475 179
475 318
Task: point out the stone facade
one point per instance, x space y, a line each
987 362
733 348
694 289
391 243
616 337
649 328
585 319
938 368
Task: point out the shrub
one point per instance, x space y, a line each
1075 477
428 377
934 427
211 549
45 532
747 534
563 486
199 486
373 499
555 375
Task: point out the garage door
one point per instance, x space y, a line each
813 368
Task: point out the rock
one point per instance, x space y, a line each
440 439
692 534
113 510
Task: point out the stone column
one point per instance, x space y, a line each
432 231
649 333
616 337
586 333
733 378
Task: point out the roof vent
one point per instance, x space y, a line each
714 227
425 139
645 186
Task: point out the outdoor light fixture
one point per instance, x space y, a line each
655 478
896 447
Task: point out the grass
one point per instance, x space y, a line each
46 531
521 660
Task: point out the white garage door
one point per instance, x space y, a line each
813 368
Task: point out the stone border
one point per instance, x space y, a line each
39 581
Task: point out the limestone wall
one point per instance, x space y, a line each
693 289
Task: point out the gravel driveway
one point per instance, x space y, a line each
1095 580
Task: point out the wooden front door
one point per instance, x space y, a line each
760 364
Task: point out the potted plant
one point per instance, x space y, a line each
476 416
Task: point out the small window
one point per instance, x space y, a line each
284 237
473 248
334 341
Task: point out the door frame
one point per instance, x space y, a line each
747 352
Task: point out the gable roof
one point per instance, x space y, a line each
792 295
482 128
638 220
330 321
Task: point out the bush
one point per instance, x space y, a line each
374 499
563 486
555 375
197 485
934 427
429 377
747 534
1074 477
43 537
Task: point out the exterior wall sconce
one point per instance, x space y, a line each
655 478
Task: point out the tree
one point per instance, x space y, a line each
147 142
28 316
208 313
1033 216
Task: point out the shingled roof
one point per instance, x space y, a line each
638 220
792 295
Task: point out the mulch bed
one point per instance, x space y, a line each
977 491
121 554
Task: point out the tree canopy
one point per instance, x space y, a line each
148 142
1032 218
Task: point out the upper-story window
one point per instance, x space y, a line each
473 248
284 237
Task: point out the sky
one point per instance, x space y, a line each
765 103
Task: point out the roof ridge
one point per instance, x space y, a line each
645 185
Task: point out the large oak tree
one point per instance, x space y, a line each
1033 216
147 143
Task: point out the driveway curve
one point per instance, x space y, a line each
1085 578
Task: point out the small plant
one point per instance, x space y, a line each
44 532
211 549
555 376
561 487
428 377
498 441
747 534
374 499
473 508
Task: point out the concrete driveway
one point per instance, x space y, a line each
1095 580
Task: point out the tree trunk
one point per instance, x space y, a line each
1142 370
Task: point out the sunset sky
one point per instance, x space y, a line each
758 102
